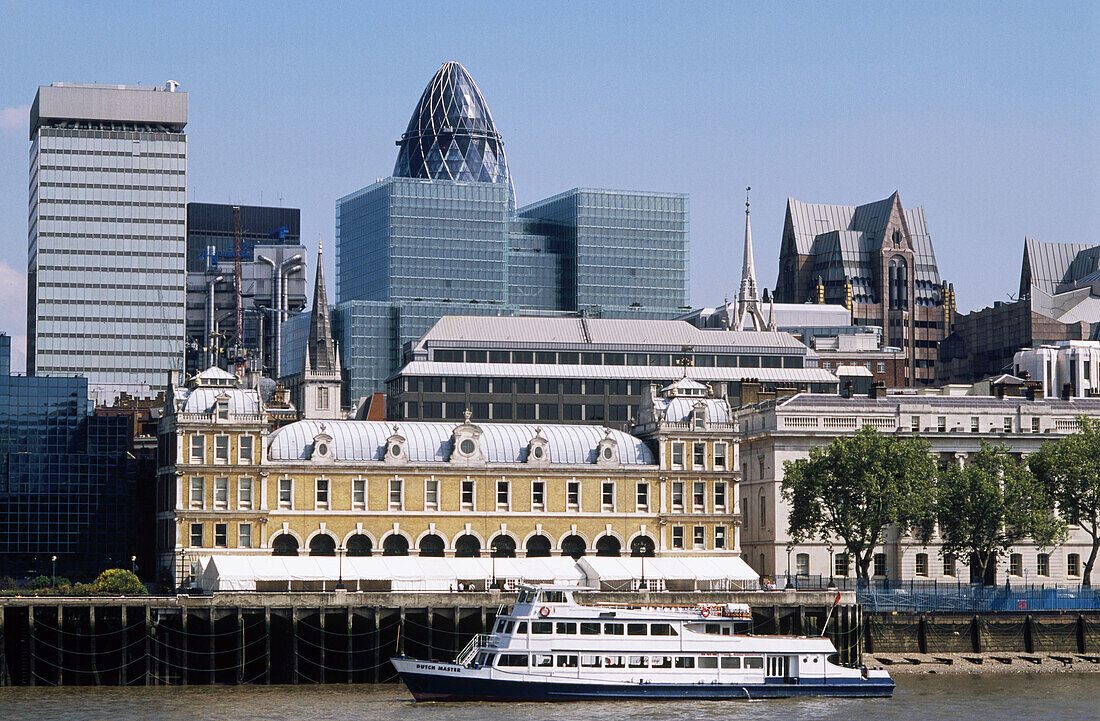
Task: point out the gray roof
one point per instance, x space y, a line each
679 410
1049 264
428 442
893 401
242 401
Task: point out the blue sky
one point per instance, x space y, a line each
986 114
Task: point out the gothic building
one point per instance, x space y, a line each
315 391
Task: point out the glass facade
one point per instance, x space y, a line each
66 486
106 261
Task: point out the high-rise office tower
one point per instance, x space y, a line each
106 273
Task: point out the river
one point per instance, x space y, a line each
1050 697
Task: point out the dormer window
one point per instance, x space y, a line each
322 447
607 451
395 449
538 449
467 447
223 410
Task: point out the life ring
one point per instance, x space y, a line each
705 611
544 611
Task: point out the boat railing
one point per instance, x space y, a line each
479 641
717 609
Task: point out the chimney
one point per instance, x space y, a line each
1034 391
847 391
750 391
878 390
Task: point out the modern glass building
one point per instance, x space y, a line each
106 271
443 237
66 483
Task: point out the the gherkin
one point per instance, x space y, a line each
451 135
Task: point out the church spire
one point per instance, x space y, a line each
321 350
748 302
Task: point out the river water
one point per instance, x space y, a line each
1050 697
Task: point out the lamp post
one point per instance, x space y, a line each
832 568
183 562
53 570
789 584
340 568
133 565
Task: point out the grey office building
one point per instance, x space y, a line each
106 273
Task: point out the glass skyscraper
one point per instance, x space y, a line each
106 264
443 237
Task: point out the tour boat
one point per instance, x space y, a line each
549 647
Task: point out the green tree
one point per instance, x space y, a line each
856 486
1069 470
118 582
990 505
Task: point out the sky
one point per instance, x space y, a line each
986 114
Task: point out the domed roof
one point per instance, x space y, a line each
451 135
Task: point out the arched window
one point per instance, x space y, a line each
322 545
468 546
898 283
504 547
395 545
284 545
573 546
608 546
359 545
431 546
802 564
538 547
642 546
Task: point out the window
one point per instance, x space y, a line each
641 502
359 494
1015 565
1042 564
802 564
322 398
198 449
607 496
840 565
754 662
221 535
467 495
662 629
881 366
614 629
949 565
590 628
538 495
542 627
720 456
699 455
244 492
731 662
197 492
660 661
763 511
320 496
698 496
880 564
1073 565
614 661
221 492
720 537
223 410
914 424
678 455
941 423
396 494
512 660
567 629
286 495
975 424
244 449
503 496
636 629
685 662
244 535
708 662
221 449
677 496
637 661
745 512
591 661
196 534
573 496
1035 425
678 537
1007 425
567 661
699 537
922 564
719 496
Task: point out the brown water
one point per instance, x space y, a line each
1047 697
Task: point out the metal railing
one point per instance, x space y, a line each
479 641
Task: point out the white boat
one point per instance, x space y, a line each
549 647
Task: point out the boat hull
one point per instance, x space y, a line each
450 686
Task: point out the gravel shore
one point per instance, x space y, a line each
984 663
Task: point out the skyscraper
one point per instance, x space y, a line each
106 273
444 237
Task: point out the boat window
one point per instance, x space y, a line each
514 660
542 660
488 659
613 629
542 627
523 597
635 629
521 628
500 626
708 662
590 661
614 661
567 661
754 662
660 662
731 662
685 662
567 628
590 629
662 629
713 628
553 596
638 662
508 627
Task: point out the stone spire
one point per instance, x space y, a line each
321 350
748 302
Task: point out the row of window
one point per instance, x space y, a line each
245 446
842 565
455 410
705 360
586 628
545 660
221 535
975 424
699 456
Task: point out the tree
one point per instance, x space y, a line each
991 504
119 582
856 486
1069 470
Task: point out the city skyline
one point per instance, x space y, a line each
991 126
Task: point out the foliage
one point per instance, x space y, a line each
1069 470
991 504
82 589
119 582
39 583
7 583
856 486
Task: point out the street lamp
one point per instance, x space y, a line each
53 570
133 565
789 584
340 568
832 568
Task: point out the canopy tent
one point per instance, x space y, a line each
688 573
